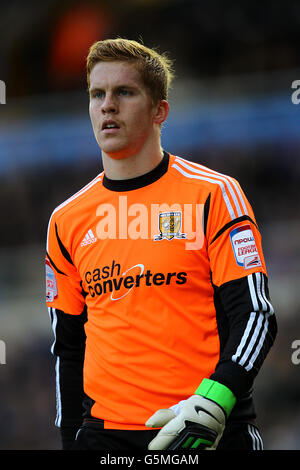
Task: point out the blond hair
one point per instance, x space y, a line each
156 70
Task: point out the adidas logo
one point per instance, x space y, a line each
88 239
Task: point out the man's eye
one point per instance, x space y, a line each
97 94
124 92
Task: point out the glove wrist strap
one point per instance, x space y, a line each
218 393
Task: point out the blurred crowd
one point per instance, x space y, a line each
45 43
44 48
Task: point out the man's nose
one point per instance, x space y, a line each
109 104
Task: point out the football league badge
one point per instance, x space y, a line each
51 286
170 226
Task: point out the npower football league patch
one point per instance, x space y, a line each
244 247
51 286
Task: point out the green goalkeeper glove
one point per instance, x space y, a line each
197 422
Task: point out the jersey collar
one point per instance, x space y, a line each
139 181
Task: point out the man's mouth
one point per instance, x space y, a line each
109 126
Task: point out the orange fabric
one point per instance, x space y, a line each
151 330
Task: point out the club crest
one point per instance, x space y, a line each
170 226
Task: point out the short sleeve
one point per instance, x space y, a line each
63 283
234 239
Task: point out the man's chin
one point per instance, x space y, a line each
118 156
117 153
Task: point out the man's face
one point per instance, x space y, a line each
121 110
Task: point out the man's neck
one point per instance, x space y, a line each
133 166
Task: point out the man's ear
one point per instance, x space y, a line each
161 112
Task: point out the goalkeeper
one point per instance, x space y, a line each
161 323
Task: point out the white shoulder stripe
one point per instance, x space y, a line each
79 193
236 195
225 182
210 180
70 199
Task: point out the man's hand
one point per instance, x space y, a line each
197 422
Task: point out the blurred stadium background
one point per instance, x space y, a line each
231 109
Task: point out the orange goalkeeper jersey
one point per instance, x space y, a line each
145 256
